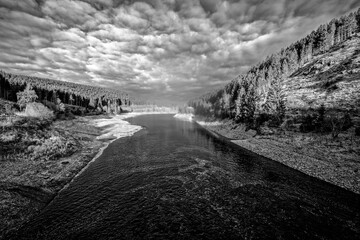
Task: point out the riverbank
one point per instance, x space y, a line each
336 161
46 158
184 116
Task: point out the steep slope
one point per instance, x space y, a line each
331 78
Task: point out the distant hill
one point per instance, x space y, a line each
322 69
85 96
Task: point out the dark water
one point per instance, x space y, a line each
175 181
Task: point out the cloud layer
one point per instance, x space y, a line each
164 51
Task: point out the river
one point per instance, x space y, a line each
174 180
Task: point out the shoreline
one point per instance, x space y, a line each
107 138
111 135
25 195
302 152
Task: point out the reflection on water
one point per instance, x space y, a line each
173 180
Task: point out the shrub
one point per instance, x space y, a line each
347 122
10 136
8 109
257 124
49 105
308 123
69 114
60 116
260 120
38 110
59 105
51 148
288 124
338 122
275 121
8 121
321 113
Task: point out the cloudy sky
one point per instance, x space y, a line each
165 51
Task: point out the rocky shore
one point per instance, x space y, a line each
336 161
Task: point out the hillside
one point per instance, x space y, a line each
331 78
321 69
89 97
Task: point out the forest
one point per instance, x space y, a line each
261 93
50 91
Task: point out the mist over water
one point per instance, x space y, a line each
173 180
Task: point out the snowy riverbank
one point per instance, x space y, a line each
116 126
184 116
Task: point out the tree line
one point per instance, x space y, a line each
48 90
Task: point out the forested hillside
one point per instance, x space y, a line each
320 71
89 97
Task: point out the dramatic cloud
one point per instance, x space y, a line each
164 51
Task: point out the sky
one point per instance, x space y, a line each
161 51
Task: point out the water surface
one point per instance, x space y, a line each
173 180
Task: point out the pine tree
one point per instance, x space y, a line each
276 102
246 103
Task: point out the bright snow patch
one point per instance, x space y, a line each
184 116
118 127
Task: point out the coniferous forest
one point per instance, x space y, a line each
48 91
